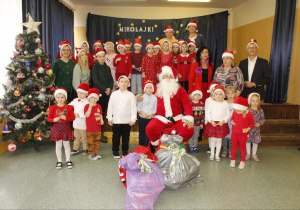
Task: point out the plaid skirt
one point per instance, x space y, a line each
61 131
217 132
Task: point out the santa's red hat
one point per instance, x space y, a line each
62 91
197 90
98 42
168 43
148 83
83 88
168 28
175 43
120 43
181 41
63 43
149 45
211 86
127 43
193 23
137 42
84 42
107 43
253 94
156 45
94 92
252 41
79 50
240 103
99 51
227 53
191 43
168 70
219 88
124 76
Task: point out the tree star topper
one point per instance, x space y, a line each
31 25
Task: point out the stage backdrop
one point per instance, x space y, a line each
212 27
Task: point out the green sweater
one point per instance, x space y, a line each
101 77
64 73
80 76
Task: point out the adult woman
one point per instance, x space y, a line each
193 36
201 72
63 68
81 73
228 74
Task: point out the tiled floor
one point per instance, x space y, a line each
29 180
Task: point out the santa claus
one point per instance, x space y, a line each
174 109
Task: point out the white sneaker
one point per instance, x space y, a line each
93 157
98 155
218 158
242 165
247 157
211 157
232 163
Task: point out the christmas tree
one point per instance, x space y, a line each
28 89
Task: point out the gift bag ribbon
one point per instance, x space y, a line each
145 168
177 153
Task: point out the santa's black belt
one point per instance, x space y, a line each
185 62
170 119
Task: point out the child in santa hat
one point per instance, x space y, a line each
94 120
192 50
136 61
183 66
242 122
199 117
97 45
157 48
217 116
127 46
122 62
146 110
259 119
175 53
109 60
79 123
166 58
61 115
85 45
81 72
121 115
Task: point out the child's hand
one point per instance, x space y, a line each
110 122
129 76
93 103
257 125
246 130
102 122
213 123
232 122
56 119
63 117
144 115
221 123
77 115
139 98
133 66
201 126
107 91
157 75
151 116
118 59
189 124
179 76
131 123
143 75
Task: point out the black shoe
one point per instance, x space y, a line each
200 138
103 139
116 154
58 165
124 153
69 164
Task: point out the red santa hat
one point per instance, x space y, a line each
63 43
220 89
83 88
120 43
127 43
99 51
124 76
79 50
168 70
175 43
168 28
227 53
107 43
193 23
196 90
84 42
148 83
137 42
240 103
181 41
211 86
252 41
168 43
149 45
191 43
94 92
253 94
62 91
98 42
156 45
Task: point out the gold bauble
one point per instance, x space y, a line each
42 112
22 103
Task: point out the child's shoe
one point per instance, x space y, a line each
58 165
98 155
208 150
218 158
69 164
255 158
224 154
242 165
247 157
191 150
232 163
211 157
74 152
85 153
116 154
196 150
93 157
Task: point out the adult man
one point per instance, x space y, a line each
174 109
169 32
256 71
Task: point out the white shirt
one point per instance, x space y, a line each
79 104
217 111
251 65
122 107
207 102
148 105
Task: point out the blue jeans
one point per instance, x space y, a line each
136 83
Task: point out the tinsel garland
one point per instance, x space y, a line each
21 121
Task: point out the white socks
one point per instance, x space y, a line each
215 142
254 148
67 150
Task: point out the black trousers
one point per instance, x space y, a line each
143 138
120 130
185 85
103 102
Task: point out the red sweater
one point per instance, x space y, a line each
183 66
56 111
136 59
124 65
242 122
196 79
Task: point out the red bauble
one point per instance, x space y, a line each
28 109
52 89
48 66
23 140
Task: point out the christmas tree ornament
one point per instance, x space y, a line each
33 74
18 125
39 138
28 64
13 69
28 109
20 75
28 69
30 96
49 72
52 89
20 43
22 103
40 70
48 66
42 112
17 92
41 97
1 106
6 129
11 147
30 84
47 111
43 90
25 52
7 102
23 141
31 25
38 51
37 40
13 58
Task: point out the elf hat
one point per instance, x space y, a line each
98 42
227 53
120 43
196 90
240 103
156 45
62 91
148 83
252 41
98 51
149 45
168 70
211 86
94 92
84 42
107 43
79 50
83 88
63 43
137 42
168 28
168 43
252 94
219 88
193 23
124 76
127 43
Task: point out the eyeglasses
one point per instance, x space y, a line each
251 48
